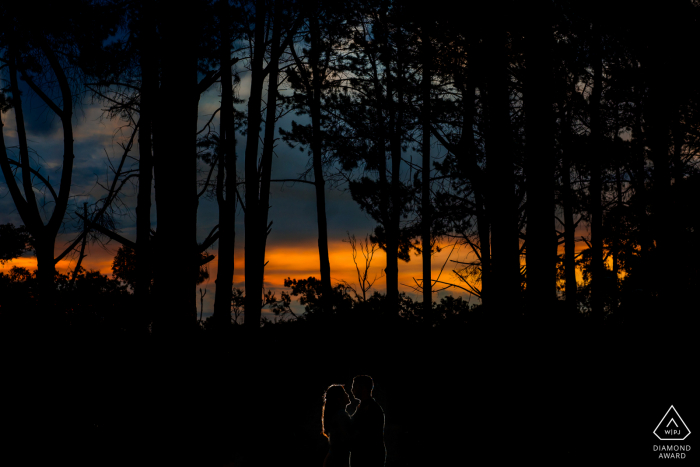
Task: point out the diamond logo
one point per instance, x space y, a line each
671 427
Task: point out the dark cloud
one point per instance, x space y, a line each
39 120
43 124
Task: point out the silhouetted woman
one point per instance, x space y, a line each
335 425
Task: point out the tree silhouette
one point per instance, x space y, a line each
256 226
315 76
14 242
539 164
42 54
547 127
367 248
146 39
226 172
366 116
500 173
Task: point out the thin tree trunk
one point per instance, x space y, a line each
149 90
26 208
596 207
317 152
56 221
253 275
44 235
425 186
539 166
500 172
391 269
393 231
226 178
31 217
269 139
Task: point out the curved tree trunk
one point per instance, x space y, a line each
269 142
44 235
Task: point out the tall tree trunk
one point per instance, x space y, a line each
28 209
317 152
44 242
269 140
149 91
393 230
596 188
500 172
44 235
253 267
393 222
176 204
426 207
381 57
539 168
226 179
385 133
56 221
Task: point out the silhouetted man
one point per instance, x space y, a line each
367 444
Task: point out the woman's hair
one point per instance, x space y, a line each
332 401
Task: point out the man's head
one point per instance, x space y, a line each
362 386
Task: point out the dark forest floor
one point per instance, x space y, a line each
451 397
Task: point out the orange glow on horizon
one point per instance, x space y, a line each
301 260
296 261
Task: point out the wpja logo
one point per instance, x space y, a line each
671 428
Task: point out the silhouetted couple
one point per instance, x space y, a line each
356 440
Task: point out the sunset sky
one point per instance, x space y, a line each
292 246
